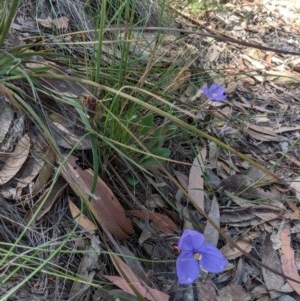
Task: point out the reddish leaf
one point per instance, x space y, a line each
130 283
103 204
163 222
80 218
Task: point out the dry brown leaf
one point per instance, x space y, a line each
108 208
260 129
33 166
263 137
238 217
16 132
9 96
59 23
239 185
255 63
282 77
178 79
211 233
46 171
296 187
206 290
245 187
214 51
288 262
155 200
147 293
6 118
64 87
244 242
182 178
102 203
291 158
66 135
80 218
161 221
295 215
212 154
133 262
260 292
233 292
285 129
86 270
45 22
130 283
38 62
270 258
224 170
114 295
46 204
264 211
26 175
254 107
147 232
31 169
195 188
16 160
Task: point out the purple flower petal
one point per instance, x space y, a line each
205 90
191 245
215 92
191 240
187 267
219 97
215 88
212 259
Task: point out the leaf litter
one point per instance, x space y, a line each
260 119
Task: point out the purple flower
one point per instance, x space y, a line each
215 92
196 253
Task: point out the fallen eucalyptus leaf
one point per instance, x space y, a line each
6 118
271 259
288 262
67 135
196 182
211 233
130 283
46 171
46 204
80 218
102 203
59 23
87 270
15 160
15 133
